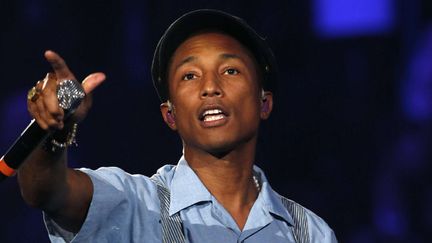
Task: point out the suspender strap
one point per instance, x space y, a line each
298 214
172 226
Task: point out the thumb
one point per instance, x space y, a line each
92 81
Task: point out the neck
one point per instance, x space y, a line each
229 178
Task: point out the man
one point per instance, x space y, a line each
214 75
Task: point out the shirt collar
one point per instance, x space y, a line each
186 188
272 200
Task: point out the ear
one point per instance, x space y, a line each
168 116
266 105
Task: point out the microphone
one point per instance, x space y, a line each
69 94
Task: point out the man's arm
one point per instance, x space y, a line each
45 180
63 193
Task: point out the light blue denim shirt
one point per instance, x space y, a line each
125 208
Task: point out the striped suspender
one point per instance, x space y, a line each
298 214
172 226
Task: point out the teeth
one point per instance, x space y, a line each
213 118
211 112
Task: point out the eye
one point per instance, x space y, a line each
189 76
231 71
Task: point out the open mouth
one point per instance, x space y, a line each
211 116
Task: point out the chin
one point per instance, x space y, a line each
221 147
221 144
220 151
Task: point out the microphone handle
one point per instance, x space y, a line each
69 94
30 138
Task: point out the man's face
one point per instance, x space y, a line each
213 86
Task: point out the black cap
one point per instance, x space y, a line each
203 19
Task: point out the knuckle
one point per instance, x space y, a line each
52 124
30 111
52 110
57 63
42 124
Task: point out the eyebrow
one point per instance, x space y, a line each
229 56
193 58
186 60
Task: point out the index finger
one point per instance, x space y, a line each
59 66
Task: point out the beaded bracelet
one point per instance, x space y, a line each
55 146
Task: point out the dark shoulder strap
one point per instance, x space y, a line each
298 214
172 226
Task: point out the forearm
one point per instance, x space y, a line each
43 179
48 184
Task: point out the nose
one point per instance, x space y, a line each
211 86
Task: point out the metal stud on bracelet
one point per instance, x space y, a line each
55 146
